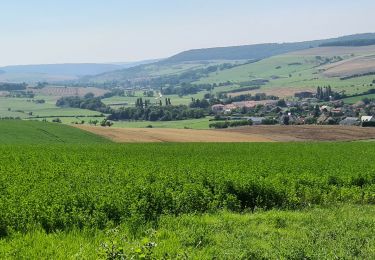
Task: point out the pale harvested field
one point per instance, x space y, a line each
308 133
242 134
350 67
152 135
69 91
276 91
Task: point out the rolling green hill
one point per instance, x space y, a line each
287 67
304 70
60 72
34 132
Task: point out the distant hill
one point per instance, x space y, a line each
200 58
259 51
63 69
60 72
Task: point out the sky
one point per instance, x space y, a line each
102 31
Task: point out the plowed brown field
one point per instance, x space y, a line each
243 134
308 133
146 135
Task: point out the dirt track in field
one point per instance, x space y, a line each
242 134
153 135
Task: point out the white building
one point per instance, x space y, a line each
367 119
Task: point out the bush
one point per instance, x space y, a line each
368 124
226 124
219 125
269 121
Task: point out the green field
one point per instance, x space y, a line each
200 201
21 107
354 100
34 132
202 123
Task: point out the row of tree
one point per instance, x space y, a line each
12 86
157 113
88 102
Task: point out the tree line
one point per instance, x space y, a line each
157 113
12 86
143 110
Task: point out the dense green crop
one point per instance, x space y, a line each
64 187
34 132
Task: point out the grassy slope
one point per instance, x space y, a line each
152 70
354 100
34 132
306 75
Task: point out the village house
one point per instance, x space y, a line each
337 111
217 108
305 94
367 119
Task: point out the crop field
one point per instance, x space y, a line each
60 91
199 201
307 133
361 65
138 132
34 132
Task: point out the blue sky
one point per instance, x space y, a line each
60 31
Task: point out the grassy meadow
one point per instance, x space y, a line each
202 123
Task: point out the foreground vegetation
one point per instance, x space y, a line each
203 200
344 232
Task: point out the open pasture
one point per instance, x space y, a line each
26 108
